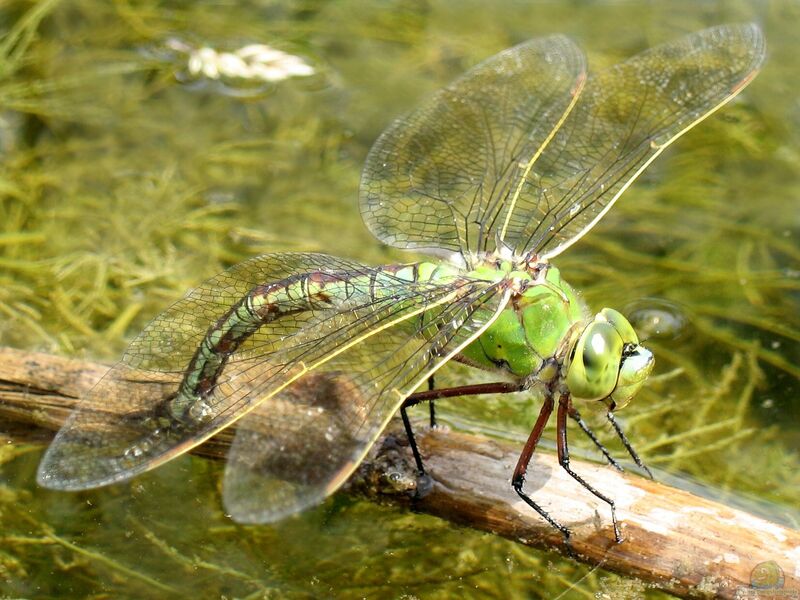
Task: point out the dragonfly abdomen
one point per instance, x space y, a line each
265 303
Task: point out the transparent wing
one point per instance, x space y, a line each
98 442
128 422
440 177
625 117
301 445
518 149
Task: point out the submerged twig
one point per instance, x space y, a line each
194 563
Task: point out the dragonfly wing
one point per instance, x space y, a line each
301 445
438 179
114 432
140 414
624 118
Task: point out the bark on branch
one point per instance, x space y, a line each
681 543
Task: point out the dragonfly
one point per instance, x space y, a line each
312 355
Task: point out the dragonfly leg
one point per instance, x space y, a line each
431 406
627 444
411 441
497 387
564 404
432 394
518 479
576 416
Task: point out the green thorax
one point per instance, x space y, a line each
545 334
538 324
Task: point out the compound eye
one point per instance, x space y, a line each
620 323
637 362
592 374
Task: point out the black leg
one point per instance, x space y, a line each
576 416
431 394
518 479
431 406
627 444
564 404
411 441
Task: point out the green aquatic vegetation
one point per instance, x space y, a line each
89 286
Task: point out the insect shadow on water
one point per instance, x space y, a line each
312 355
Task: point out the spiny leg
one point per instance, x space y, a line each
518 479
627 444
521 469
499 387
576 416
564 403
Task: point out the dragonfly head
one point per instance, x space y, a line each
607 363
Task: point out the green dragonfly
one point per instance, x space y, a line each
312 355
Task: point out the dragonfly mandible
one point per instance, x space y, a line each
312 355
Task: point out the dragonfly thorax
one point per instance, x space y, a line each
546 335
538 324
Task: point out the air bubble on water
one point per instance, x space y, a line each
656 317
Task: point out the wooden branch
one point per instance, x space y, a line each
679 542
